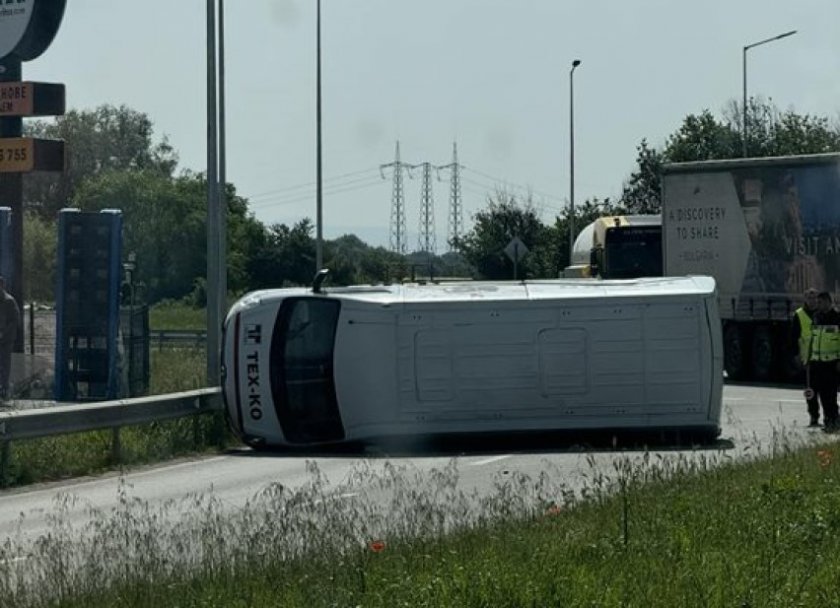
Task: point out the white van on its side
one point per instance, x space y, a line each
352 364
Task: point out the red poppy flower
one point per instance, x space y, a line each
824 457
377 546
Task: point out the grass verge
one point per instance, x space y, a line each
177 315
67 456
691 531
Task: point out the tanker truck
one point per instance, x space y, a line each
618 247
766 229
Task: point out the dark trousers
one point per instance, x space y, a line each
824 381
814 406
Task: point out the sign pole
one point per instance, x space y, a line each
11 195
515 260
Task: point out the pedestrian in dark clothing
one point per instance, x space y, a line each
825 355
801 336
9 323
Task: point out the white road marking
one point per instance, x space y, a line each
127 476
479 463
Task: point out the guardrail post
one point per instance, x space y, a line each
32 328
116 445
196 429
219 429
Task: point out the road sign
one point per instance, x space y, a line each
27 27
31 99
25 154
516 249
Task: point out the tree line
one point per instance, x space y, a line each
114 162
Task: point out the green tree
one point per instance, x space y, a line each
773 132
39 257
453 264
642 191
165 224
98 141
494 227
284 256
704 137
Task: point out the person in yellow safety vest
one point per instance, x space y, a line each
825 357
802 321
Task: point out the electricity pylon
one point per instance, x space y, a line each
426 240
397 202
455 225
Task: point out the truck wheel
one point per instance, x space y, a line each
763 351
734 355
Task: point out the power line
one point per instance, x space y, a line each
311 184
308 196
510 184
299 195
540 203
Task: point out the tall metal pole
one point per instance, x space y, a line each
319 196
213 320
745 128
223 207
575 64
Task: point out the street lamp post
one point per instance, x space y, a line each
214 321
744 128
575 64
319 191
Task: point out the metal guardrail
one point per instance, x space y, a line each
76 418
177 337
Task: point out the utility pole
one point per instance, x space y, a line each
426 240
397 202
455 225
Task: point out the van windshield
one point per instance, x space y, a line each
302 382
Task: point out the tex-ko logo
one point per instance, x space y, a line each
253 333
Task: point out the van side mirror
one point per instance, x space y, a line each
320 276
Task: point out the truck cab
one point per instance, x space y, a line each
618 247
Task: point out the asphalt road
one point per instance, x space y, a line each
753 418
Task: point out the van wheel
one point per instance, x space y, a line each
734 355
763 353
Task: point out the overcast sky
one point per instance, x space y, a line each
492 75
